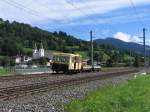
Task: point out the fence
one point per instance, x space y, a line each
26 70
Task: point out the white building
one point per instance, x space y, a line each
38 53
22 59
17 60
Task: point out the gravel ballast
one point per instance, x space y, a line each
49 78
54 101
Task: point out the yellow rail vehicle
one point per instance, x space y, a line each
66 62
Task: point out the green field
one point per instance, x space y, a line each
133 96
4 71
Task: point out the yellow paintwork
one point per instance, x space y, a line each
73 61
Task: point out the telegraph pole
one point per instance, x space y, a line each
91 35
144 47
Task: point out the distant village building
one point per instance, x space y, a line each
26 59
17 60
41 53
22 59
38 53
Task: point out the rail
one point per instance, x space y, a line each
23 90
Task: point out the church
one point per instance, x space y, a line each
38 53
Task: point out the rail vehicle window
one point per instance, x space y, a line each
66 59
56 59
60 59
63 59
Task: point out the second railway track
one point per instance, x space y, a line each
23 90
42 75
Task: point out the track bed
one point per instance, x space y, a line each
8 93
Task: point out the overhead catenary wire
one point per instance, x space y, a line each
25 7
142 24
92 11
34 12
108 26
38 15
28 10
19 6
64 16
136 13
81 11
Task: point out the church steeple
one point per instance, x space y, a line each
35 48
35 52
41 51
38 53
42 46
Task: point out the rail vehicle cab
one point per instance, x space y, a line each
66 62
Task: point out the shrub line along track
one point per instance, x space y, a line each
23 90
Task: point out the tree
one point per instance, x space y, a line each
137 61
7 61
109 63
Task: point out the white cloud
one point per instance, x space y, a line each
127 37
58 11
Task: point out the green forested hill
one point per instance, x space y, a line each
16 36
19 39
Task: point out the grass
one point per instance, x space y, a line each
84 54
5 71
27 50
133 96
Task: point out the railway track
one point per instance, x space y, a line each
31 76
20 77
23 90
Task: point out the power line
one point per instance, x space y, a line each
64 16
32 11
19 6
136 12
71 3
35 12
108 26
26 9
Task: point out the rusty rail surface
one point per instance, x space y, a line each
23 90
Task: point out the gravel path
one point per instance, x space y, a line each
53 101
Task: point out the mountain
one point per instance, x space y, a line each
138 48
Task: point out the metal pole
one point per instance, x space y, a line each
144 46
91 35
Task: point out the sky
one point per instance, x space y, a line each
121 19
